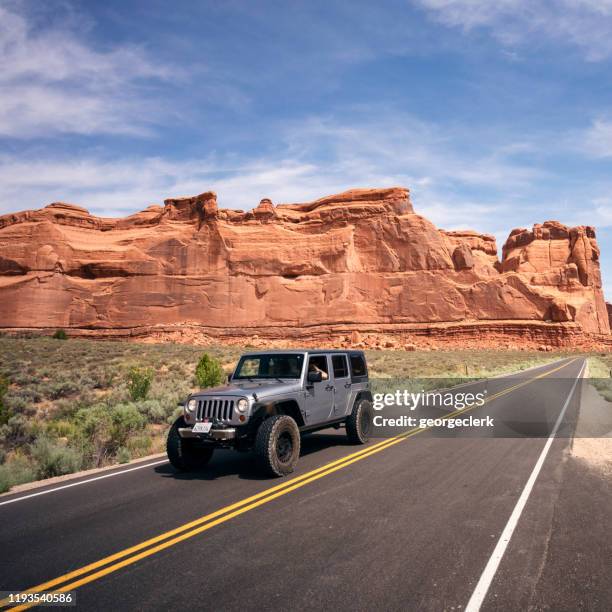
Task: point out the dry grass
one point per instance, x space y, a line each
452 364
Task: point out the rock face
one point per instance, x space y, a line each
349 265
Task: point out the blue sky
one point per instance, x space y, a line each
495 114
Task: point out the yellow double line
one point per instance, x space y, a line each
89 573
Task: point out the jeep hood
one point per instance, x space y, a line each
261 388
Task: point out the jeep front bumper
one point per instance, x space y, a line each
221 434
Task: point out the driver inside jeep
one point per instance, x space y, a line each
313 367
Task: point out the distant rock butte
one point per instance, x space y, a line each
357 268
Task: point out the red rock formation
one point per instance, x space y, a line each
358 262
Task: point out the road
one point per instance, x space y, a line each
405 524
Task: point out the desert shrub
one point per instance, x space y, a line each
208 372
154 410
177 367
139 446
177 412
604 386
60 334
102 378
4 410
14 471
126 420
67 408
103 430
123 455
30 394
86 382
22 378
17 430
95 426
139 382
63 388
15 404
53 459
61 428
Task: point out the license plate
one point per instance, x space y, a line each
202 428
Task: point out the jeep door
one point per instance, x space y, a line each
319 396
342 384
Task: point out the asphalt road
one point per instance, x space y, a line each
406 524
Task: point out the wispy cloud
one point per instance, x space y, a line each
318 156
583 23
52 81
597 139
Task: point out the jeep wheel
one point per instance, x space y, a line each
186 454
359 422
277 445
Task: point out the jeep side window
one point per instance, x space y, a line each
340 366
318 363
358 366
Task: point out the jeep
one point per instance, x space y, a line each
270 399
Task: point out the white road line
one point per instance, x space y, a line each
81 482
480 592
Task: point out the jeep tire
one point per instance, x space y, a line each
186 454
359 422
277 445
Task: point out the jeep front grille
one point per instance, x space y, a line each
215 409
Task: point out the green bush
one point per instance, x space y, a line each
17 431
177 412
103 430
154 410
61 428
208 372
139 446
4 411
123 455
16 470
139 382
60 334
95 426
126 420
64 388
102 378
54 459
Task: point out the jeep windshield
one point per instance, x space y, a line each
269 366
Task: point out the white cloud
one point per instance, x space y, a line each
315 157
583 23
52 81
597 140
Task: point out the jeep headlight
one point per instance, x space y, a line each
242 405
190 406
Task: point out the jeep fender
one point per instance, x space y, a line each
287 407
363 394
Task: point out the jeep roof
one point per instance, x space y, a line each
300 351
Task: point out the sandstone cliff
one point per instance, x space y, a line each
341 268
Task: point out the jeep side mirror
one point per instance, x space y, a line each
228 378
314 377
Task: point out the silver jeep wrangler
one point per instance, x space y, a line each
271 398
